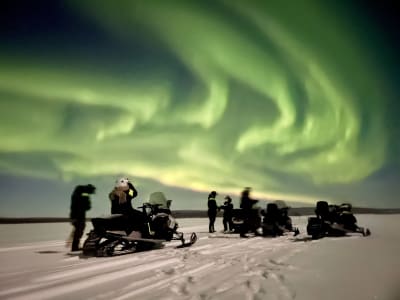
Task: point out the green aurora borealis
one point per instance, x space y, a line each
293 98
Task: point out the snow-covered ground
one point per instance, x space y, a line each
36 265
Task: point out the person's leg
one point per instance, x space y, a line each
79 229
225 222
212 223
209 224
75 242
230 222
244 228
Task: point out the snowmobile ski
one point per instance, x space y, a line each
192 240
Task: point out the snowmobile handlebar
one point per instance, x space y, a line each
145 205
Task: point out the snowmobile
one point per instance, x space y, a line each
110 235
276 220
254 221
333 220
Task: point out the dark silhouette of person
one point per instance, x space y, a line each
246 204
227 216
284 219
121 203
212 210
80 203
273 218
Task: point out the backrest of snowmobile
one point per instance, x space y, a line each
322 209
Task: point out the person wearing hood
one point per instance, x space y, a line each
121 197
121 203
227 216
80 203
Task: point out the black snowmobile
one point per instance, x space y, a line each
111 235
276 221
254 220
333 220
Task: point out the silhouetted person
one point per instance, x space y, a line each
272 220
285 220
212 210
227 217
246 204
121 203
80 203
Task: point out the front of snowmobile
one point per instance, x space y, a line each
163 226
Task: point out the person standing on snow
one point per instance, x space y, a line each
246 204
80 203
227 217
212 210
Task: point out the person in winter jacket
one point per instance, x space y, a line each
121 197
227 216
246 204
212 210
80 203
121 203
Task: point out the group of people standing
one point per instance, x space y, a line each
246 204
213 209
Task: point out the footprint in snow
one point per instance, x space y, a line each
182 287
169 271
278 263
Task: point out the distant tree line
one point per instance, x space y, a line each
294 211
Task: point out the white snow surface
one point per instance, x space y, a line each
218 266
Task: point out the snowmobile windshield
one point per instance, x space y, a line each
159 199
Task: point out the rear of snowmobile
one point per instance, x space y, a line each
253 220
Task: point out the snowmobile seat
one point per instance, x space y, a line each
115 222
111 222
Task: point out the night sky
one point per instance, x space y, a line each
298 99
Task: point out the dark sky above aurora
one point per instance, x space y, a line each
297 99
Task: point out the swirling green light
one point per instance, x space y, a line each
320 85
